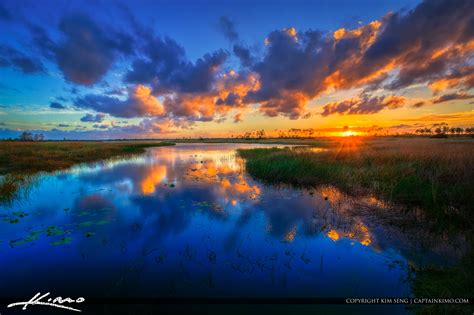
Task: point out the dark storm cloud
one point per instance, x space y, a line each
164 65
93 118
288 73
363 104
160 56
452 97
87 51
57 105
228 29
11 57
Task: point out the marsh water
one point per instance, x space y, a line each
187 221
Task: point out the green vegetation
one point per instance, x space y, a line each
431 174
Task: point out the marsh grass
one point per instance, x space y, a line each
434 175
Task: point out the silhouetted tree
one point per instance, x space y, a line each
26 136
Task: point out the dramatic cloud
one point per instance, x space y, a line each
86 51
459 77
393 52
163 64
452 97
139 103
363 105
430 45
93 118
403 42
57 105
10 57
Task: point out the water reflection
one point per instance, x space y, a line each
188 221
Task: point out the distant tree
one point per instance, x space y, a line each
26 136
452 130
38 137
438 130
459 130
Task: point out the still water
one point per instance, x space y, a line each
187 221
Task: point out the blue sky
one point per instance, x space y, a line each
191 68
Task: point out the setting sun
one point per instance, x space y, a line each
348 133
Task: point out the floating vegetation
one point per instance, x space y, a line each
54 231
33 236
92 223
11 220
63 241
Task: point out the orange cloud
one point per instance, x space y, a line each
146 101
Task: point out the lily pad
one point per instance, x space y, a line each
63 241
20 214
54 231
33 236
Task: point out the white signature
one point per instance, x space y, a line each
58 302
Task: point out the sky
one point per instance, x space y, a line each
97 69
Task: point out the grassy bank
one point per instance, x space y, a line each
433 174
19 161
32 157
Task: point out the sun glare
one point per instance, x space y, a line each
348 133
